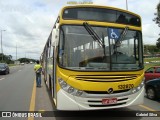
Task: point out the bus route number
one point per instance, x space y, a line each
125 86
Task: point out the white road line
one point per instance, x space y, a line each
2 78
19 70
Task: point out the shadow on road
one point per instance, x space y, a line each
114 114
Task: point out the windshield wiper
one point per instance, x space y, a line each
93 33
95 36
123 34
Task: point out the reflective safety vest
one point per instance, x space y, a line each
38 68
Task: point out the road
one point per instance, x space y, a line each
17 91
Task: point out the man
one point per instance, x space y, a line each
38 70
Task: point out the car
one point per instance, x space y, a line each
152 88
4 69
152 73
22 63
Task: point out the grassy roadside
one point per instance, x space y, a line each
151 62
146 66
10 65
151 59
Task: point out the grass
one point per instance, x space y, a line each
151 64
151 59
146 66
11 65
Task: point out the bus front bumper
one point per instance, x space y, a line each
66 101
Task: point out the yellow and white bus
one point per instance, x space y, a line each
93 58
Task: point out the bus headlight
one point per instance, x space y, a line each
69 89
134 90
79 93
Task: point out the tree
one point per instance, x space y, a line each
157 18
158 43
6 58
150 49
26 60
157 21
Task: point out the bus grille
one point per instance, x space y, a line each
106 78
105 92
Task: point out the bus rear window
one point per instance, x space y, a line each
102 15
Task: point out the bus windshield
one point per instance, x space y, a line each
80 49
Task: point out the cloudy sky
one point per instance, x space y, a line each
27 23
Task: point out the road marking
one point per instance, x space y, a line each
33 98
19 70
41 110
145 107
150 109
2 78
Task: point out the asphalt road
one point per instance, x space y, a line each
16 88
16 92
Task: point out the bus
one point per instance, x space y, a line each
93 58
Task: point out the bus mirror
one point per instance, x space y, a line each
55 37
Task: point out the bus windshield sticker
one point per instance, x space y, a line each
113 33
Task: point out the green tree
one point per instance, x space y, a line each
6 58
151 49
157 21
158 43
157 18
26 60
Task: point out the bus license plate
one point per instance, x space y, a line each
109 101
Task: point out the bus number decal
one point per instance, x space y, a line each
125 86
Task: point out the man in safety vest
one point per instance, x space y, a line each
38 70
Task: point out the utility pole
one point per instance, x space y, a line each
126 5
16 51
1 44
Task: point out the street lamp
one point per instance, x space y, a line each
1 44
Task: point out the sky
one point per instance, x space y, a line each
26 24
